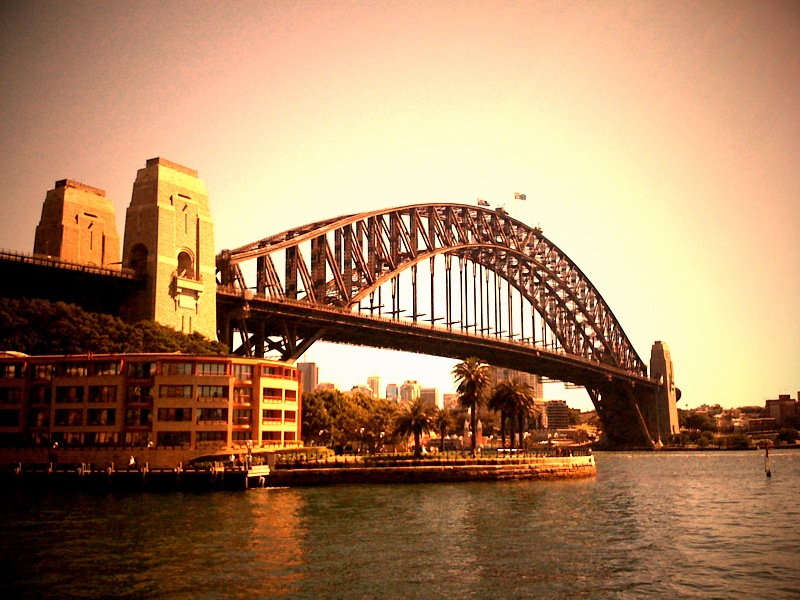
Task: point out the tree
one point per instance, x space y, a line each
317 424
514 398
415 418
43 327
700 421
442 422
499 402
472 379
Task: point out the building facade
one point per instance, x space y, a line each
430 396
374 384
393 392
558 414
500 374
784 409
198 403
409 391
309 376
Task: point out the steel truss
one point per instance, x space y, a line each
502 278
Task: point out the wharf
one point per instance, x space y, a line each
84 477
217 477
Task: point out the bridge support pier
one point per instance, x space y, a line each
620 410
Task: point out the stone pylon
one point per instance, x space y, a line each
78 225
664 418
169 240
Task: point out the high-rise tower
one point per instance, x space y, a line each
169 238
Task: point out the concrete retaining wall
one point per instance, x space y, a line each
536 468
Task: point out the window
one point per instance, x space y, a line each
273 394
270 416
100 438
212 369
106 368
291 395
10 395
102 393
243 372
289 436
212 415
139 393
271 436
9 418
242 436
212 436
144 370
39 394
268 371
101 416
242 395
174 414
69 417
10 371
69 393
43 371
290 416
185 265
138 417
242 416
175 368
212 391
74 370
175 391
174 438
39 418
137 438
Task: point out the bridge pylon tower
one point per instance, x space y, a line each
169 239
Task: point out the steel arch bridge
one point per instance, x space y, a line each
440 279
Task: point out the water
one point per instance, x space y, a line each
650 525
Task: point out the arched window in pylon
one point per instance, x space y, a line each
139 259
185 265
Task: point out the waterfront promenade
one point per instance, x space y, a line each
268 472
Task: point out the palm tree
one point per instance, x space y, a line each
472 378
442 422
415 418
517 396
499 402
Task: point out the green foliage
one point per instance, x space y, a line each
472 381
415 418
41 327
700 421
738 441
513 399
788 435
336 419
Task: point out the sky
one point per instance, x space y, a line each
657 143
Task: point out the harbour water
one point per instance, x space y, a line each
650 525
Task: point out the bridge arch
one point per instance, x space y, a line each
344 261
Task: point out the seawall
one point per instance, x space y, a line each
471 470
88 477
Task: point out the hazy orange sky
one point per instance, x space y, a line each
658 144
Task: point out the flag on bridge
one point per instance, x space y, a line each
518 196
482 202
